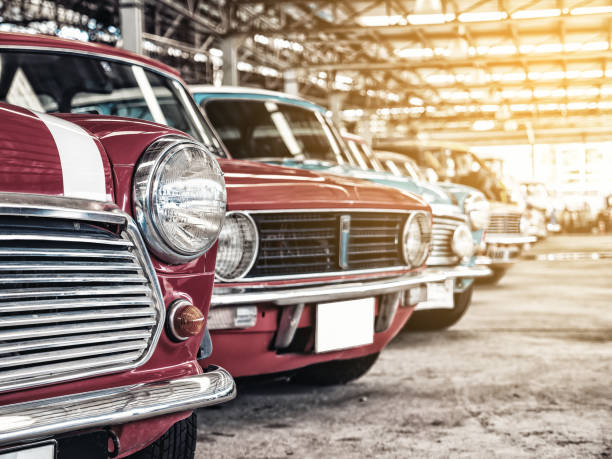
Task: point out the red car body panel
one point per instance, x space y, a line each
31 165
247 352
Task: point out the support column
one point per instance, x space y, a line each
230 45
131 21
291 83
336 100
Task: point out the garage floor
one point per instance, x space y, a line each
527 372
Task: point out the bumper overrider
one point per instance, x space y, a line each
115 406
344 291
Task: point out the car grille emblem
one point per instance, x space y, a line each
345 229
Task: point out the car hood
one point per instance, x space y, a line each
45 154
255 185
430 193
503 208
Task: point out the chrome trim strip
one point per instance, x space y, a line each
331 209
498 262
509 239
348 272
119 405
334 292
455 272
36 205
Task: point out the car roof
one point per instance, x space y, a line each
226 92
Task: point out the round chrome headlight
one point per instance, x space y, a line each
179 198
462 243
238 245
525 224
416 239
477 209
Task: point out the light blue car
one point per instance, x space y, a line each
280 129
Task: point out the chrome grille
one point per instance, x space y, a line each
309 242
77 297
442 236
509 223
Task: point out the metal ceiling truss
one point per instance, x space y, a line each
531 47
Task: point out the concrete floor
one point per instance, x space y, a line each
527 372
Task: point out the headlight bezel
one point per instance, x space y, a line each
423 219
146 177
255 249
474 203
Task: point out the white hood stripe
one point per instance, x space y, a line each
82 167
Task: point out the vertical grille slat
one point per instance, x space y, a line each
76 300
308 242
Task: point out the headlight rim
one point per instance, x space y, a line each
155 155
474 199
425 255
253 260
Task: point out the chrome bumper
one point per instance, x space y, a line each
456 272
119 405
509 239
322 293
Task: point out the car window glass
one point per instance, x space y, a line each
40 81
264 129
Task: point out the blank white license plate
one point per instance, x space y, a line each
36 452
344 324
439 296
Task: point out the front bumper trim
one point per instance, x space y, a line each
119 405
325 293
509 239
456 272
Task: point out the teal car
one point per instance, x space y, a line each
280 129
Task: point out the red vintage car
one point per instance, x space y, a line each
314 272
99 337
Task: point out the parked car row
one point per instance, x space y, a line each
158 242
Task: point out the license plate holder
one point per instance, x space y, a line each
41 450
344 324
439 296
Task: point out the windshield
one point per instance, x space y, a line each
464 168
258 129
72 83
402 166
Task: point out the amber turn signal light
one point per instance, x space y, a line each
184 320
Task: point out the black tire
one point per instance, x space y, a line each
438 319
493 279
179 442
335 372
